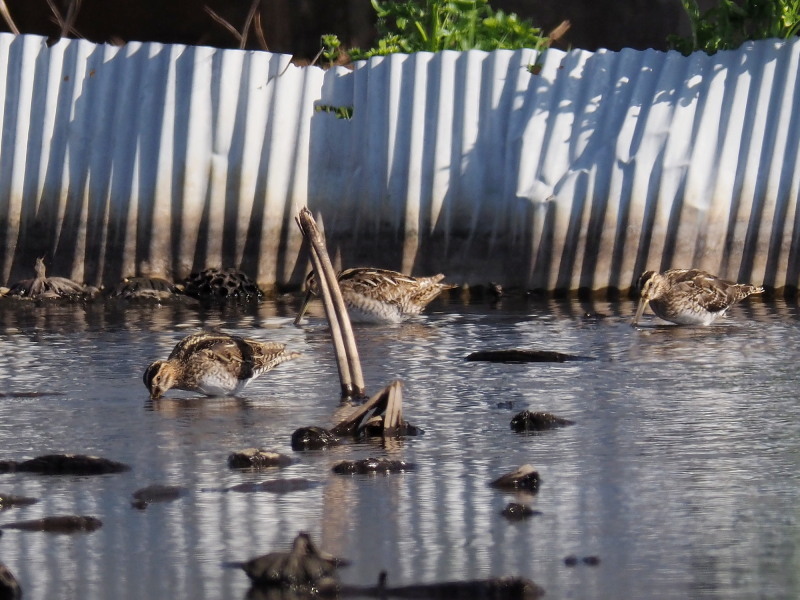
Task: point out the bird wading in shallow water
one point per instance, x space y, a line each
380 295
215 364
689 296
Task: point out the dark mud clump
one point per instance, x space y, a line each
514 511
313 438
538 421
369 466
145 496
524 478
9 501
256 458
71 464
58 524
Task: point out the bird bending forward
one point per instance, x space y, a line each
689 296
380 295
215 364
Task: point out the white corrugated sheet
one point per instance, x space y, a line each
158 159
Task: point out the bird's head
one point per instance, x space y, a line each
159 377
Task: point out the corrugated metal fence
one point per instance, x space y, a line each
161 160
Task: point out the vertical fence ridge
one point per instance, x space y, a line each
559 171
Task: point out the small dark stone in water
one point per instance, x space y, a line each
571 560
523 356
537 421
374 428
9 500
276 486
592 561
593 316
313 438
256 458
524 478
8 466
304 568
508 404
515 511
71 464
372 465
9 586
58 524
157 493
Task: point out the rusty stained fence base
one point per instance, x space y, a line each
344 343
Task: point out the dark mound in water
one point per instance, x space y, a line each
43 287
58 524
152 289
524 478
524 356
10 501
256 458
221 284
313 438
538 421
514 511
276 486
369 466
157 493
71 464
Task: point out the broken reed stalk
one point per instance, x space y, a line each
388 401
6 14
344 341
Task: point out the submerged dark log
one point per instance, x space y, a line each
369 466
9 586
157 493
9 501
71 464
524 478
499 588
524 356
276 486
313 438
537 421
257 458
58 524
303 568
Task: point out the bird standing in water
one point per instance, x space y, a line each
689 296
380 295
215 364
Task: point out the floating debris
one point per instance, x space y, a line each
313 438
276 486
369 466
524 356
257 458
221 284
42 287
524 478
71 464
143 497
58 524
145 289
538 421
514 511
9 586
303 568
9 501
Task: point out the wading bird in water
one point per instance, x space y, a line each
689 296
215 364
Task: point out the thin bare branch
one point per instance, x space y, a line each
262 41
222 22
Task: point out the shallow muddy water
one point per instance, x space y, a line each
681 473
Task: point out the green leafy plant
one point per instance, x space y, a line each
435 25
728 24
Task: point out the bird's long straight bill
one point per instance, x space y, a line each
303 307
639 311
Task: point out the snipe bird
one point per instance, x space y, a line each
689 296
214 364
380 295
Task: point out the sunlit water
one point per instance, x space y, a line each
681 473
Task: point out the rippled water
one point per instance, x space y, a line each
681 473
